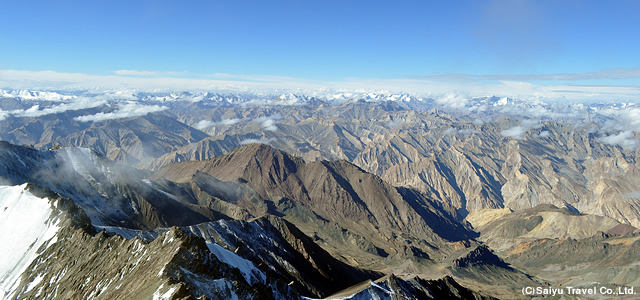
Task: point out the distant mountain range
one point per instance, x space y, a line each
285 196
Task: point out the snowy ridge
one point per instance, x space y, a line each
158 295
424 101
249 271
369 290
246 267
35 95
26 224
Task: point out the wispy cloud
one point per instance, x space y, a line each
35 110
147 73
257 141
453 100
204 124
393 123
123 111
544 133
623 139
135 73
518 132
607 73
51 80
269 123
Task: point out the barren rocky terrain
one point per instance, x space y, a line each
284 196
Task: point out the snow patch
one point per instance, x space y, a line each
34 282
166 295
371 291
25 225
246 267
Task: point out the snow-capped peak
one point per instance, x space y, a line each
35 95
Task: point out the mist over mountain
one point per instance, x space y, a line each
282 195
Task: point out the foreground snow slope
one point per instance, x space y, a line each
26 223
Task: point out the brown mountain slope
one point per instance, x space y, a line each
562 247
335 201
504 230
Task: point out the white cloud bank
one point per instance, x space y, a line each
269 123
35 110
452 100
440 87
127 110
623 139
203 124
544 133
518 132
257 141
147 73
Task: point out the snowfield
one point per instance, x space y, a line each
26 224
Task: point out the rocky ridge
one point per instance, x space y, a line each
267 257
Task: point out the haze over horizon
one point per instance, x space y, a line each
574 50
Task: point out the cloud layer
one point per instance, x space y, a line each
257 141
126 110
204 124
557 86
518 132
269 123
35 110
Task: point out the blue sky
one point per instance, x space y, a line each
324 43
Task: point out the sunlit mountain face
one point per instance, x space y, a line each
124 194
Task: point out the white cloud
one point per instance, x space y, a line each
229 121
624 139
449 131
269 123
540 111
518 132
135 73
544 133
124 111
530 123
392 124
453 100
257 141
203 124
164 81
606 73
627 118
35 110
147 73
510 86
